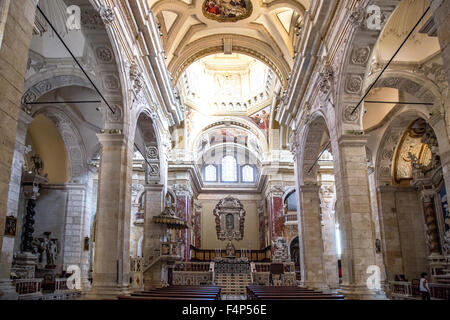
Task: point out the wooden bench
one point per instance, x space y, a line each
177 293
288 293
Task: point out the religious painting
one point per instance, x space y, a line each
262 119
11 226
230 218
227 10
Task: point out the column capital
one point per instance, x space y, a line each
111 138
353 140
275 191
309 188
154 187
182 189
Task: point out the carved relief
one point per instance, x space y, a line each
360 56
353 84
350 116
104 54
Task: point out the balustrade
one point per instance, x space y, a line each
408 290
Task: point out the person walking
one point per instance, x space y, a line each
423 287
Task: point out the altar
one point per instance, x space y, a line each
234 266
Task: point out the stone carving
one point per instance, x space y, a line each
136 78
230 218
281 252
104 54
182 189
107 14
111 82
325 79
360 56
353 84
153 171
350 116
47 251
152 153
230 250
37 165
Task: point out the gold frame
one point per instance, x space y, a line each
220 19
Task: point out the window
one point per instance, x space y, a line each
229 169
292 201
248 173
210 173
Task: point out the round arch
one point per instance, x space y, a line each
73 142
390 140
208 45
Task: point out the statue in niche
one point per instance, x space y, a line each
38 164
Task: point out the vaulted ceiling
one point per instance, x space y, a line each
269 33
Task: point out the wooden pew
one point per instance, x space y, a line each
177 293
288 293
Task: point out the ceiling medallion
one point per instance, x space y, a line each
227 10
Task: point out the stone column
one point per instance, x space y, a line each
354 214
431 225
154 205
390 232
310 238
112 243
14 50
25 261
184 194
6 255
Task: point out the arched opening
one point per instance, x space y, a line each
412 200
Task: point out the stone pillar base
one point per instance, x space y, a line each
8 290
106 292
315 285
24 265
352 292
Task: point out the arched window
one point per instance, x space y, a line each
229 169
248 173
211 173
292 201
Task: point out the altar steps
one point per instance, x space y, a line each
233 284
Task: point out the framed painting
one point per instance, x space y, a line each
11 226
227 10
